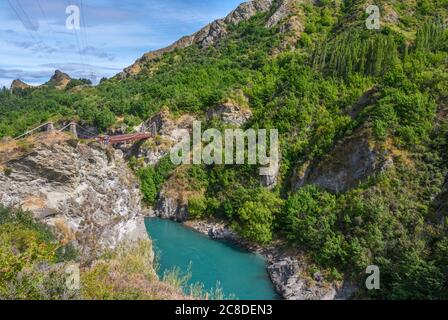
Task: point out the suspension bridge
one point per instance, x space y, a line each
79 131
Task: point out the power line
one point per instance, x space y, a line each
82 36
29 21
45 15
84 29
84 33
23 23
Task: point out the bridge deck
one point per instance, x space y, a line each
124 138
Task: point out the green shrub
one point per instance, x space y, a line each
197 207
7 171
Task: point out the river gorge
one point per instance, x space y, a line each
238 273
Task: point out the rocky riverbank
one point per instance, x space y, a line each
288 269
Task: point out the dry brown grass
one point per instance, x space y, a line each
32 203
398 154
13 149
180 186
65 231
127 273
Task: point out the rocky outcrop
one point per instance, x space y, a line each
174 197
230 113
290 277
215 230
85 192
351 162
270 181
59 80
166 133
283 10
171 208
19 84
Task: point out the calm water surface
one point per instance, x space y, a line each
238 272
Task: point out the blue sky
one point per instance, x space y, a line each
34 40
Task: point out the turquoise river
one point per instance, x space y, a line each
240 274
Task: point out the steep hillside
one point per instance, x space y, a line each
362 117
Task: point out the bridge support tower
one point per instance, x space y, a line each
73 130
50 127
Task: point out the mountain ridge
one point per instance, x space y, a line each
58 80
217 29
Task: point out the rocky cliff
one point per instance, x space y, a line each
19 84
59 80
353 160
84 191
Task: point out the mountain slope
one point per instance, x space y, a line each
218 29
362 117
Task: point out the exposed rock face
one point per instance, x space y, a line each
19 84
352 161
247 10
290 279
166 132
174 197
85 192
158 124
171 208
59 80
230 113
284 9
270 181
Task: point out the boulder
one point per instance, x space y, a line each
230 113
289 276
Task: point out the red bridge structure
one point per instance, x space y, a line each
124 138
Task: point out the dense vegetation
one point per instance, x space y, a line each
308 94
